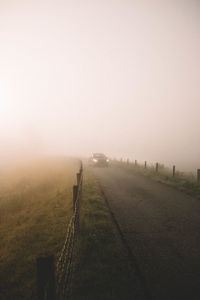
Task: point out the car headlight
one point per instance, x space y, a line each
94 160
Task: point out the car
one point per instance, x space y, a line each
99 160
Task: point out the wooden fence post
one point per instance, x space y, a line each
156 167
46 278
174 171
198 175
135 162
78 176
75 193
81 167
145 164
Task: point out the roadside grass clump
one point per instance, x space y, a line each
185 182
101 264
35 207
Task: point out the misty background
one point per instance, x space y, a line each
119 77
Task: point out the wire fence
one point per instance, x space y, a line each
54 279
159 168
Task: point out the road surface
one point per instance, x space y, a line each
162 228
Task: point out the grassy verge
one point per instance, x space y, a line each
183 182
35 206
102 270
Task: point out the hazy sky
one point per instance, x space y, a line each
117 76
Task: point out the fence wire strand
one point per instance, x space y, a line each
64 265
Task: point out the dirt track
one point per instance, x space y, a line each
162 229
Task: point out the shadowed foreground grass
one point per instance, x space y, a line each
102 269
35 207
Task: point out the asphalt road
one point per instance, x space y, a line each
162 228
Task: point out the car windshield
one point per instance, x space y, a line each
98 155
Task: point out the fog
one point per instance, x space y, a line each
119 77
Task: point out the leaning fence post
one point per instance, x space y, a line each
156 167
198 175
75 193
46 278
174 171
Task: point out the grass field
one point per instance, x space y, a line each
35 207
102 266
186 182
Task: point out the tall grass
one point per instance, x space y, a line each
35 207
